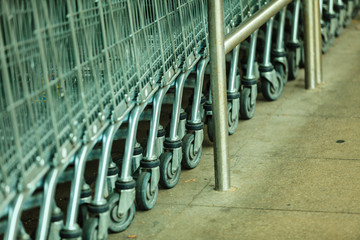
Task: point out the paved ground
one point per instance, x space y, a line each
290 177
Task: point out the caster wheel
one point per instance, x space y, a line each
90 229
283 71
145 198
271 92
168 177
293 65
119 223
247 109
191 157
210 128
232 123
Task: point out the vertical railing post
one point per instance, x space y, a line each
218 91
318 51
310 41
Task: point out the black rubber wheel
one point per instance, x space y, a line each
283 70
270 92
190 158
145 199
119 223
232 123
247 110
168 177
293 65
210 128
90 229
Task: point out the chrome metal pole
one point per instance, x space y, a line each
246 28
218 91
310 68
318 52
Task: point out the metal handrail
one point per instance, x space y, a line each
254 22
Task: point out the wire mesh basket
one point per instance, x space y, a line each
187 27
165 18
27 136
88 59
233 10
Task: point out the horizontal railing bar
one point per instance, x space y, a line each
254 22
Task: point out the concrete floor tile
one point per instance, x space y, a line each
147 224
191 183
239 138
233 223
289 184
310 137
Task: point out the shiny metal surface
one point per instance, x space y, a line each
252 23
218 90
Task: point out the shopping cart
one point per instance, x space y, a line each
188 45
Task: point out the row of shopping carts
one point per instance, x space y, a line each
336 14
78 75
273 55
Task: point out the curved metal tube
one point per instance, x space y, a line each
200 73
48 201
175 115
73 207
130 142
295 28
104 161
250 71
154 123
281 31
14 216
233 70
268 40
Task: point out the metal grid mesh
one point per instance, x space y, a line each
27 135
87 55
63 96
119 56
165 35
236 11
232 12
146 44
199 11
